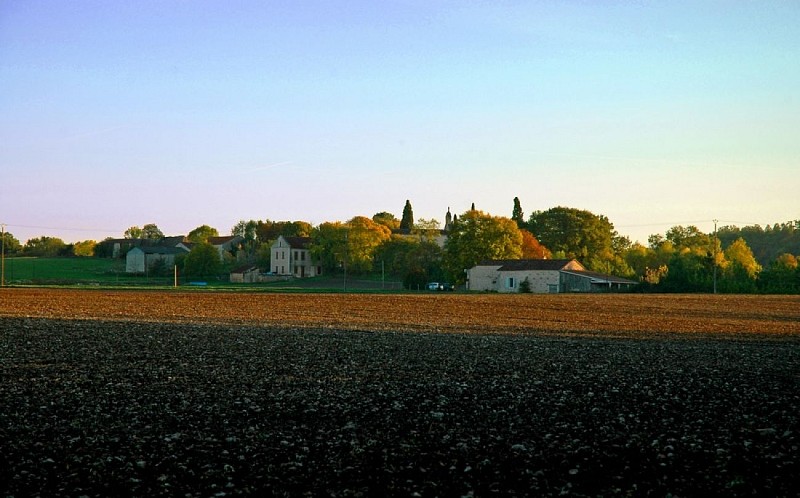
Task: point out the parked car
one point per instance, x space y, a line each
434 286
447 286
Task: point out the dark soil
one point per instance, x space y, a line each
90 408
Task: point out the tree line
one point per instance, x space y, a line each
684 259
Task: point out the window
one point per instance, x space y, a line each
511 282
303 256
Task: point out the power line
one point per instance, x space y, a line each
70 229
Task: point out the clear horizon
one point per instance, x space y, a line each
114 114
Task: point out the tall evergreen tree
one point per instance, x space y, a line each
407 223
517 214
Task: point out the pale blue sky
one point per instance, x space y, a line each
183 113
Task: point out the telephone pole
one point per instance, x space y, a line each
715 256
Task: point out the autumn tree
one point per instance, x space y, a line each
690 237
133 232
663 250
267 230
297 229
202 261
329 245
364 236
416 261
423 264
531 248
10 244
149 231
247 230
85 248
44 246
202 234
393 253
407 222
741 269
386 219
478 236
688 272
767 242
427 229
426 225
574 233
782 276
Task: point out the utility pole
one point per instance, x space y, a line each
3 255
715 256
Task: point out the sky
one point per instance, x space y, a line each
185 113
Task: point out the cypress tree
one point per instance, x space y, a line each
517 214
407 223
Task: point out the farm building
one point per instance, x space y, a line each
543 276
141 259
223 244
118 247
292 256
247 274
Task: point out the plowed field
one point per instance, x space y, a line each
608 315
198 394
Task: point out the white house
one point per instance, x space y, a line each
141 259
292 256
543 276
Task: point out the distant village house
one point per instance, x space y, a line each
543 276
144 253
292 256
142 259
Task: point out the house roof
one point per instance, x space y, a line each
298 242
172 240
161 250
529 264
218 241
245 268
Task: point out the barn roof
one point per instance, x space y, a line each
245 268
161 250
218 241
529 264
602 277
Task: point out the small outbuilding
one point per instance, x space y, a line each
246 274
